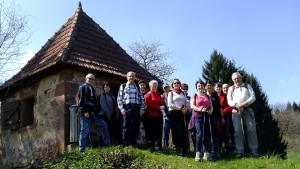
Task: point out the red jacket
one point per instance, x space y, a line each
227 110
153 101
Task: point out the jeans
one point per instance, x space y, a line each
85 129
131 126
248 119
216 132
166 129
203 130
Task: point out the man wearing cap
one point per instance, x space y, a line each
131 105
88 104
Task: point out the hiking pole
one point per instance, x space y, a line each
211 137
89 123
243 131
202 147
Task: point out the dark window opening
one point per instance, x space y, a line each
27 111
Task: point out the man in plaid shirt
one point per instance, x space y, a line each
131 105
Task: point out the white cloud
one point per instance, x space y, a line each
27 56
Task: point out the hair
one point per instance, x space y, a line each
90 75
130 73
152 82
176 80
218 84
199 81
106 84
237 74
142 81
208 82
184 86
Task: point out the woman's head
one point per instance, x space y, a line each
176 83
199 84
153 85
106 87
209 85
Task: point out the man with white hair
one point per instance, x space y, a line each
240 96
88 104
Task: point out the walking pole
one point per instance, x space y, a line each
211 137
89 122
202 147
242 123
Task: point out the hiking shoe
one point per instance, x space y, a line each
239 155
218 155
207 157
197 157
255 155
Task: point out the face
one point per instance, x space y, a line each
218 89
106 89
209 87
167 89
225 88
90 80
142 86
130 77
237 80
176 84
184 90
153 87
200 87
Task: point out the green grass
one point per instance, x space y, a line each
116 155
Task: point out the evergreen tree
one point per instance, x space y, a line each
270 140
295 106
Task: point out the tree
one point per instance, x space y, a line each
269 137
151 58
14 34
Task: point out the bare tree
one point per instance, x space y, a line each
151 58
14 35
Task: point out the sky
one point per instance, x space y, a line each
260 36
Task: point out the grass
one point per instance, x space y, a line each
140 158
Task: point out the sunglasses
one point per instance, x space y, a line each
176 83
91 79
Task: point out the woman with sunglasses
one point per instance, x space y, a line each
177 103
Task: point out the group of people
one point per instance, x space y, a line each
215 115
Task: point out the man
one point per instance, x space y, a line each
88 104
166 122
142 135
143 87
131 105
240 96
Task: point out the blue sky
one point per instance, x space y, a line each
261 36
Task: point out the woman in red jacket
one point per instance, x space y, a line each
227 111
153 118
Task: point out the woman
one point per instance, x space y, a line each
153 118
227 110
177 103
216 119
110 113
202 109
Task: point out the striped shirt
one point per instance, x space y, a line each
130 94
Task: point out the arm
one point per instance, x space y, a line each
120 99
230 98
193 106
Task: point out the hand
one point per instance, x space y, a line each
241 109
141 113
222 121
162 107
209 112
86 115
123 112
204 109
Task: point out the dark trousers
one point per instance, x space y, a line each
179 134
131 126
226 132
114 129
153 129
216 132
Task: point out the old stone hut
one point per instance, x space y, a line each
35 119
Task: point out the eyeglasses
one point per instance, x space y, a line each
176 83
91 79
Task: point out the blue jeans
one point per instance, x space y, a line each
248 119
203 130
166 127
85 129
131 126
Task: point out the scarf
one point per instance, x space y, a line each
178 91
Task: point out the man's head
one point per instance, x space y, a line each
237 78
130 77
90 79
142 85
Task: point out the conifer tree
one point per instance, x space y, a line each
220 69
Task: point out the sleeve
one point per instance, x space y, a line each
81 96
120 99
229 97
170 100
252 97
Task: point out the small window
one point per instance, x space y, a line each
10 115
27 111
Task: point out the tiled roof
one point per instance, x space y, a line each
83 43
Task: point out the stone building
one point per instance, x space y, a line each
35 119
